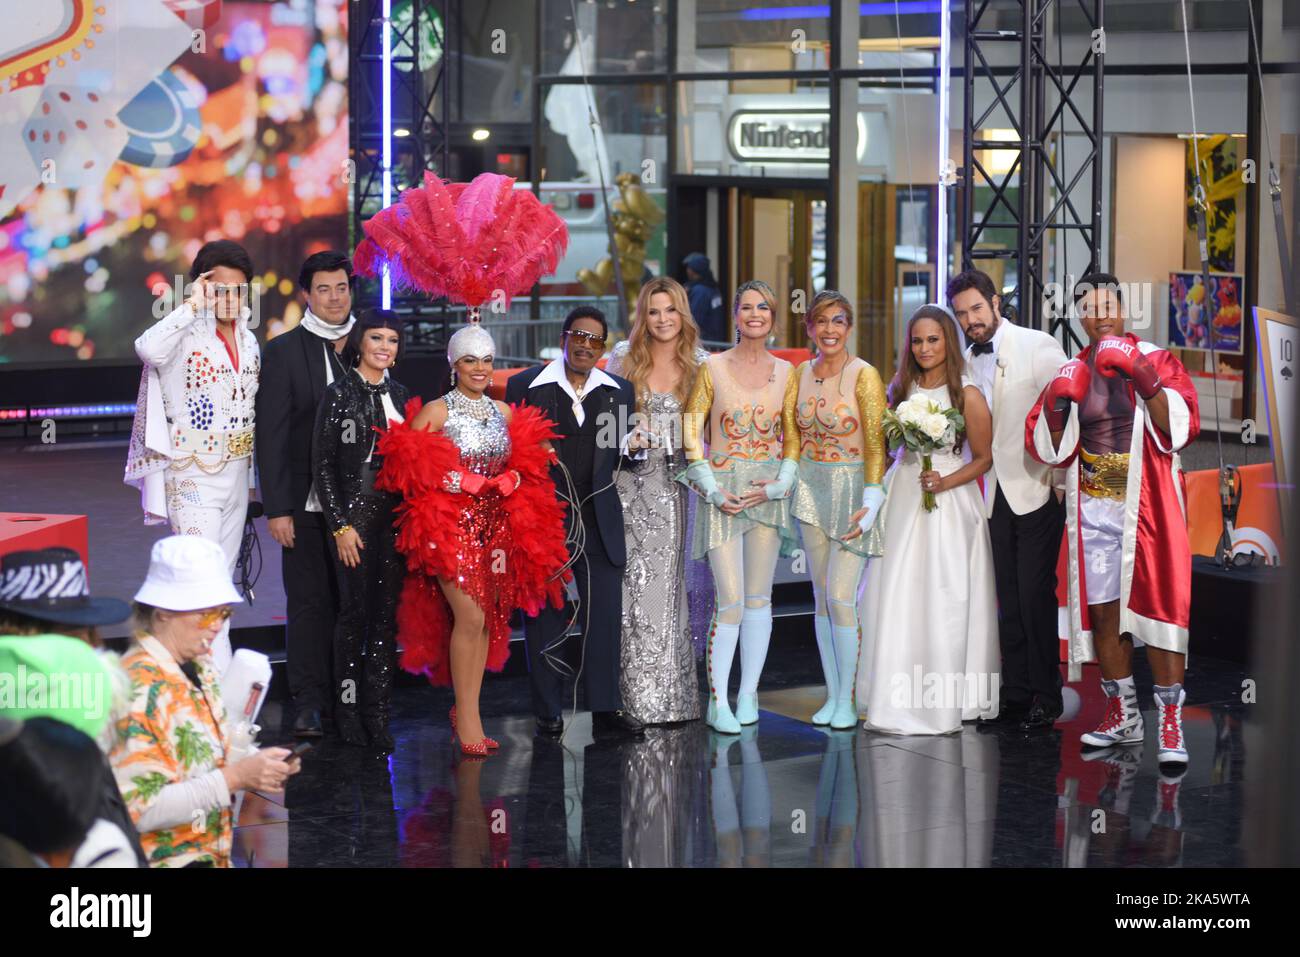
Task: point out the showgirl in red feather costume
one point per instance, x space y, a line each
480 524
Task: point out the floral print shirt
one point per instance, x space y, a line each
174 732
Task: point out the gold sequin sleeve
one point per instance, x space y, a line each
696 414
871 407
789 422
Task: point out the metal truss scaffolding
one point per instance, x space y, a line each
414 129
1036 96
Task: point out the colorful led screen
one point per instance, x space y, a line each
135 130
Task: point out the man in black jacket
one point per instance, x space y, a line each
592 411
296 368
705 298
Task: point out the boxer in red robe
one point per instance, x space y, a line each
1116 417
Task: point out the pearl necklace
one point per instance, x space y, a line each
480 409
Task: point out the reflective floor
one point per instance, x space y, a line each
782 794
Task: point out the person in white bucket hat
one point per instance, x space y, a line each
187 573
171 757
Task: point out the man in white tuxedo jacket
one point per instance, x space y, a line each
1012 365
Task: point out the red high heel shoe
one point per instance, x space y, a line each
492 743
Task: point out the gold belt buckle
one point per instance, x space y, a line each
239 444
1104 475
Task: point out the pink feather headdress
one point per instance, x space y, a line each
464 240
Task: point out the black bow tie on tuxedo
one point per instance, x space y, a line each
981 348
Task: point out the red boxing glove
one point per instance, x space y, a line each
1070 385
1116 356
506 483
471 483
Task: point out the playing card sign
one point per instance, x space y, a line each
1278 336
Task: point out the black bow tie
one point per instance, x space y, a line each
981 348
380 389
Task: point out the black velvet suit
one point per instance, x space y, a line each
590 452
288 394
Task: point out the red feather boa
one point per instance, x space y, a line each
428 521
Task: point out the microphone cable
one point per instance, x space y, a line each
575 542
248 565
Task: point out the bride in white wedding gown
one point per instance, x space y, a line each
928 609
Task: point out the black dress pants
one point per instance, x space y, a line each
311 607
1025 550
600 615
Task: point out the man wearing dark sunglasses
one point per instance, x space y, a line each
592 410
191 451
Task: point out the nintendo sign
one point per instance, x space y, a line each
785 136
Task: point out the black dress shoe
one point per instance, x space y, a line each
616 723
307 724
1039 717
551 727
1008 714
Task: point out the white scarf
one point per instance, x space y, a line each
319 327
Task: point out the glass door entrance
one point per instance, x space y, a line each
780 237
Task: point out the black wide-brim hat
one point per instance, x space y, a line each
50 585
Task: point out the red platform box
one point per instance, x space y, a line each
28 531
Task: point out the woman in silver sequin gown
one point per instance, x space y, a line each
657 659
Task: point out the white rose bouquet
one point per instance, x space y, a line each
919 424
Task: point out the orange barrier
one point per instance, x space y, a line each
793 356
1258 518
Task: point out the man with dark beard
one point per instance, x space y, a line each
1012 365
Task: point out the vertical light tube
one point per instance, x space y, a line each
386 129
941 226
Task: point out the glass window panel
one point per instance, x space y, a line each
620 36
1291 14
633 143
725 132
496 68
1138 32
743 36
917 23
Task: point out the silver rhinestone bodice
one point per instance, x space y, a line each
479 430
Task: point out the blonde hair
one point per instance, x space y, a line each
637 364
142 619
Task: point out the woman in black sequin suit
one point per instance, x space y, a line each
369 568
